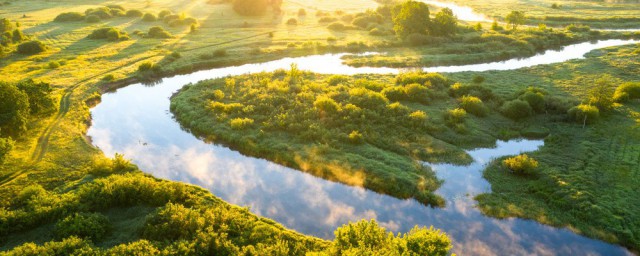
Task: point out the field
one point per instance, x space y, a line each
53 173
597 14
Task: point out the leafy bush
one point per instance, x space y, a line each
158 32
93 226
521 164
292 21
109 33
241 123
134 13
69 16
6 145
516 109
149 17
627 91
474 105
102 12
31 47
147 66
458 90
173 222
326 105
93 18
14 107
584 114
250 7
356 137
338 26
417 93
455 116
164 13
535 100
367 238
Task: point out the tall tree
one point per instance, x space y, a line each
445 23
515 19
601 95
40 100
409 18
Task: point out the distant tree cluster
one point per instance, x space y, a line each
412 17
20 102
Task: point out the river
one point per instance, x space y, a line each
136 121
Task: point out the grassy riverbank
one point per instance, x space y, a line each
597 14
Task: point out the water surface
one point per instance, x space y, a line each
136 121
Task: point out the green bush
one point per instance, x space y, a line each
102 12
92 226
292 21
627 91
134 13
173 222
521 164
109 33
355 137
69 16
516 109
164 13
240 123
147 67
148 17
535 100
417 93
158 32
31 47
584 114
458 90
93 19
6 145
474 105
455 116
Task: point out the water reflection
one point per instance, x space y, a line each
136 121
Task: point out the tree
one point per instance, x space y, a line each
515 18
445 23
40 100
14 109
601 95
409 18
5 25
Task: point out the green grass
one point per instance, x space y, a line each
597 14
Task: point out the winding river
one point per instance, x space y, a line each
136 121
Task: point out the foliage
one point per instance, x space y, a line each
627 91
240 123
158 32
93 18
41 101
515 19
521 164
31 47
134 13
149 17
109 33
14 110
250 7
69 16
410 17
584 114
601 94
516 109
93 226
473 105
444 24
6 145
367 238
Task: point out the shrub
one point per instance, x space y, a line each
6 145
149 17
455 116
356 137
337 79
31 47
103 12
326 105
473 105
53 64
173 222
146 66
69 16
395 93
93 226
241 123
627 91
164 13
134 13
584 114
535 100
302 12
250 7
516 109
17 36
109 33
459 90
92 19
109 77
337 26
327 20
418 117
521 164
292 21
158 32
417 92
